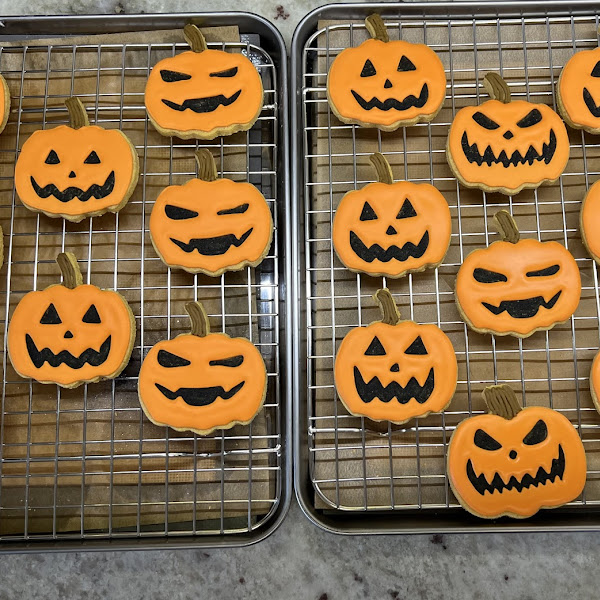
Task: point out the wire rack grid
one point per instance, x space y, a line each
86 464
358 465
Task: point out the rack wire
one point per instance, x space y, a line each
355 464
86 464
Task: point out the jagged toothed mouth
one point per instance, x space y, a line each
213 246
200 396
377 252
94 191
372 389
393 103
89 356
203 105
523 309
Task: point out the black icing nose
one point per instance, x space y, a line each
72 174
508 134
391 231
68 335
395 368
387 84
513 454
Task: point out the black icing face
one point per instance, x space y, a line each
393 251
587 96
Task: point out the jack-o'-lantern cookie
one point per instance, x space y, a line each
395 370
202 381
78 170
72 333
203 93
211 225
578 89
386 84
506 146
515 461
391 229
517 287
589 221
4 103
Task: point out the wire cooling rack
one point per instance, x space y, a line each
86 464
397 474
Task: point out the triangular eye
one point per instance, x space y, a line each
368 69
92 159
537 435
169 360
52 158
406 211
417 347
485 441
91 315
367 214
375 348
406 64
596 70
50 317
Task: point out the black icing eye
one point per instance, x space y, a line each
178 214
227 73
171 76
91 315
538 434
553 270
417 347
406 211
487 276
50 317
485 121
485 441
375 348
367 214
406 64
531 118
168 360
237 210
52 158
596 70
92 159
232 361
368 69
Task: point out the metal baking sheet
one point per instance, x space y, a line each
230 488
352 476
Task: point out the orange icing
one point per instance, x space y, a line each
590 221
576 77
4 103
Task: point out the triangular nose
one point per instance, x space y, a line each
72 174
508 134
387 84
395 368
391 231
68 335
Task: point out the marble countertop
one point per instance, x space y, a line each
299 560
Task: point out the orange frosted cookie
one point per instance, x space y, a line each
394 370
589 221
203 93
78 170
391 229
504 145
4 103
386 84
517 287
595 381
211 225
515 461
72 333
202 381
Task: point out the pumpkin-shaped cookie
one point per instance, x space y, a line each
72 333
391 229
202 381
203 93
386 84
4 103
506 146
78 170
517 287
515 461
211 225
394 370
589 221
579 91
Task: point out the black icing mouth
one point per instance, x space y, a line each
481 484
204 105
200 396
390 103
375 389
90 356
489 158
523 309
213 246
589 102
94 191
376 252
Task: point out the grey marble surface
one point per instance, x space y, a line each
299 560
